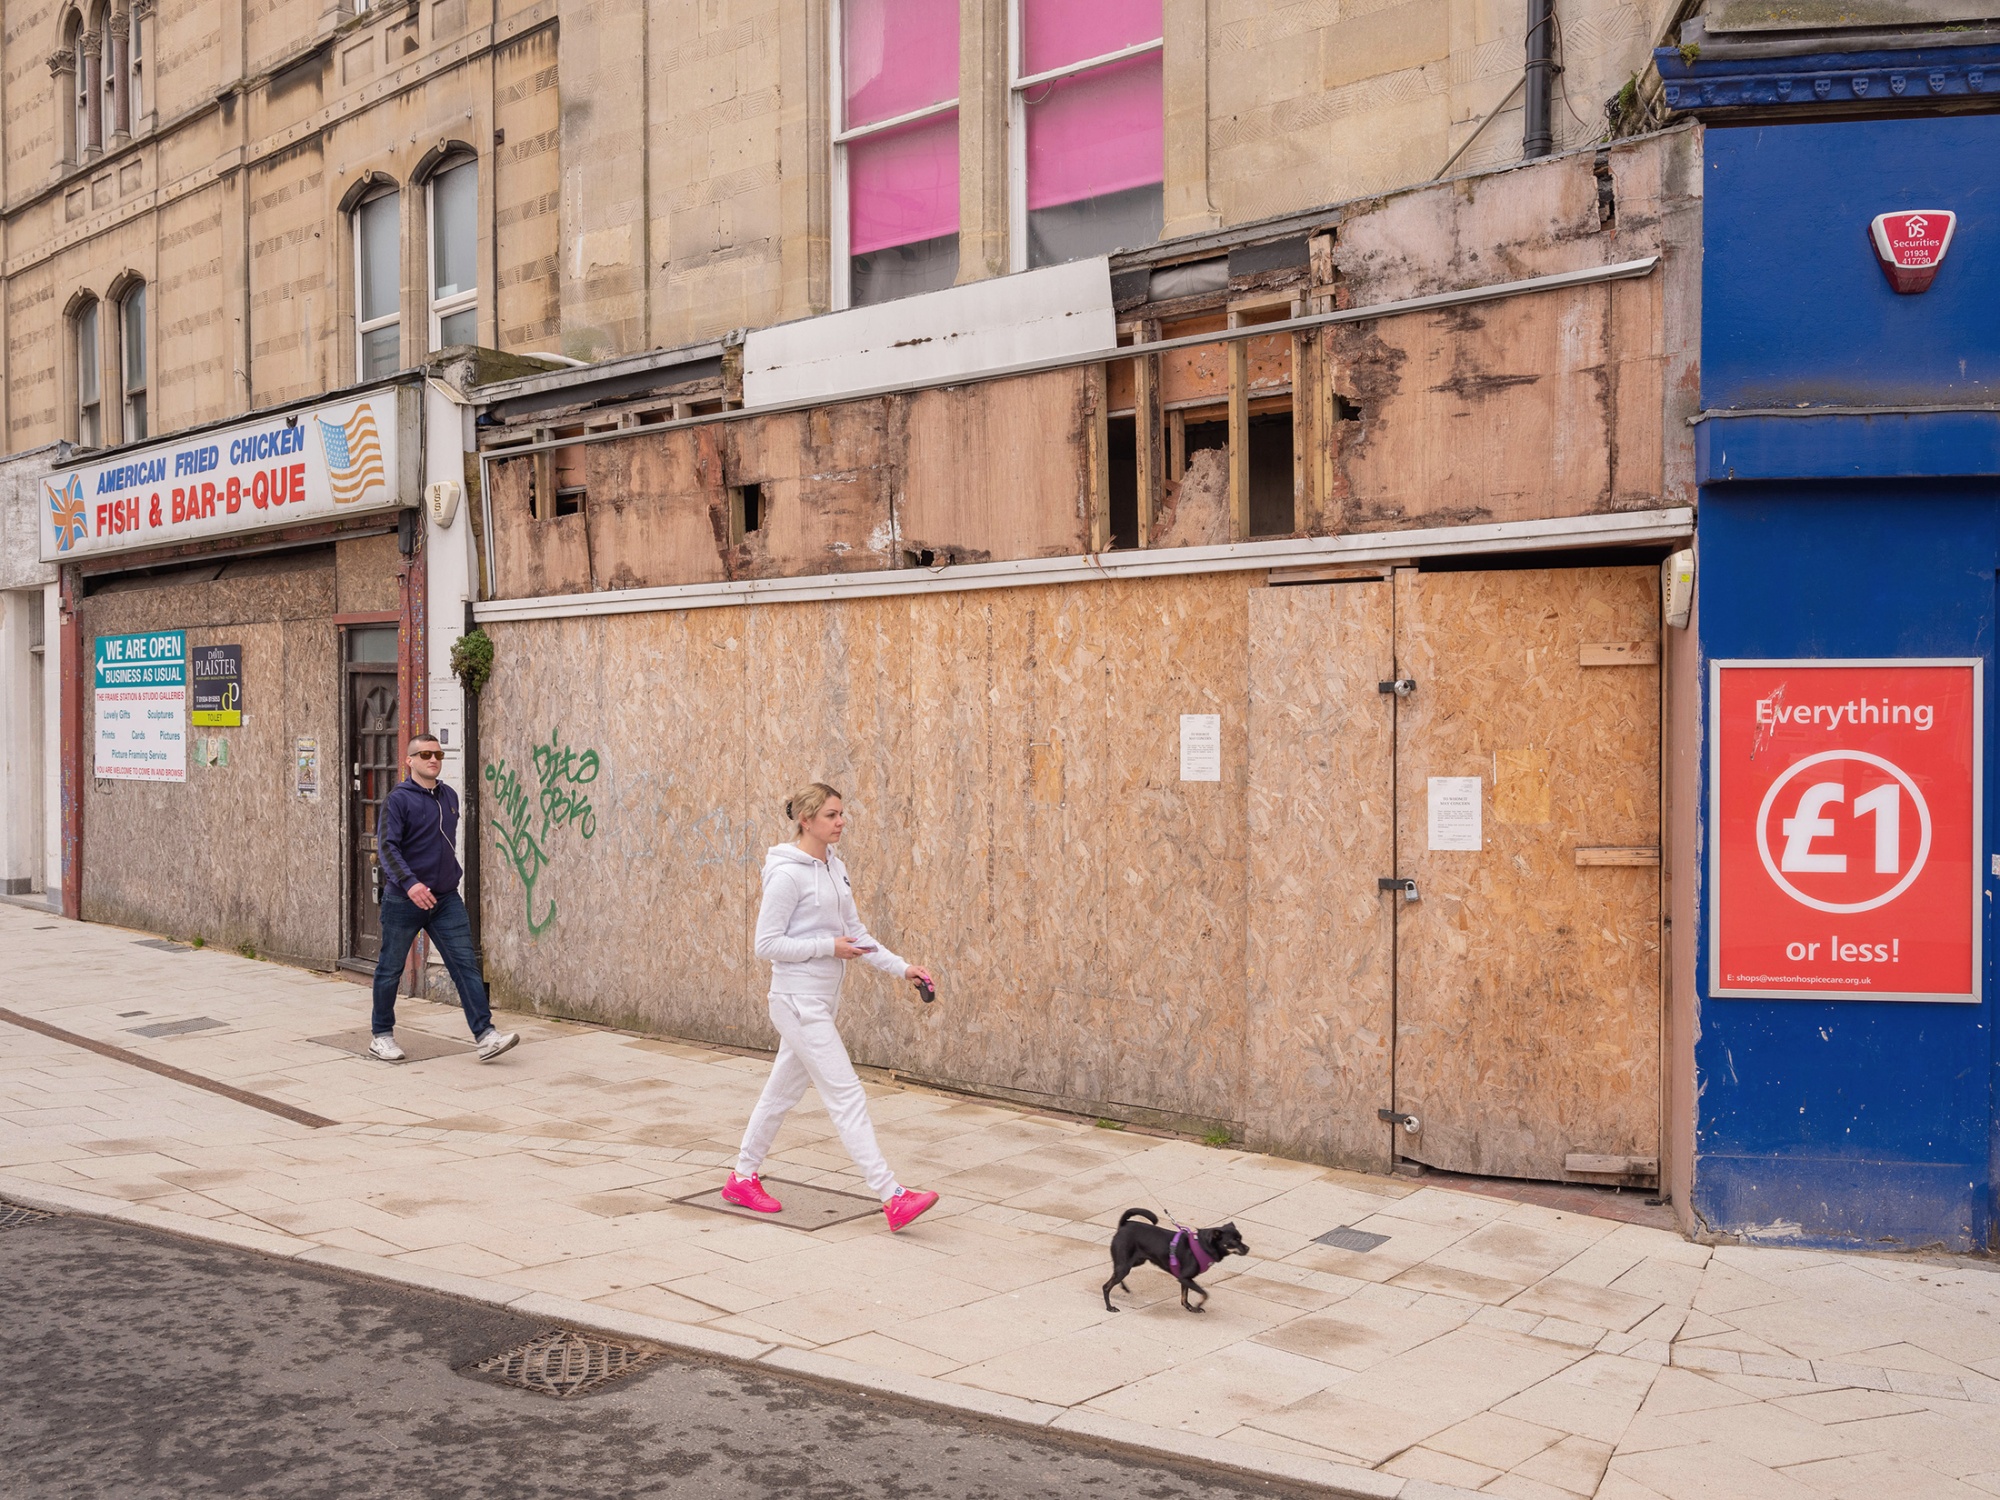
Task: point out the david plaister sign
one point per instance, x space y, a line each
316 464
1844 829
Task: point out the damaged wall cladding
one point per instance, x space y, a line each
1559 403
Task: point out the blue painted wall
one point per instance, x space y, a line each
1866 1124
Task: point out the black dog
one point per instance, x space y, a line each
1183 1254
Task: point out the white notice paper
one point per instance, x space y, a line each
1201 747
1455 813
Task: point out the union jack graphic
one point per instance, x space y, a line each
66 510
353 454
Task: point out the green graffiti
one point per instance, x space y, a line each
561 773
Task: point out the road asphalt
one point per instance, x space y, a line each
140 1366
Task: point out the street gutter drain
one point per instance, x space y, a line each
1347 1237
12 1215
564 1363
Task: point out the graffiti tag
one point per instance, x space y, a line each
560 773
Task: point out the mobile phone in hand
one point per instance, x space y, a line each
926 989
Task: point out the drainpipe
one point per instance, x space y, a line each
1536 136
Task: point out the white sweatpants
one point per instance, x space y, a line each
810 1052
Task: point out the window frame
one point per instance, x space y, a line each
133 395
1017 121
394 318
458 302
840 137
89 356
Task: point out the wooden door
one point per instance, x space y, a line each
1528 971
374 768
1322 833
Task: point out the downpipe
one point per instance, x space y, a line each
1537 136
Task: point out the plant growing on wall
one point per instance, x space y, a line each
472 660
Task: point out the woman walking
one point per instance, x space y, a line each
808 929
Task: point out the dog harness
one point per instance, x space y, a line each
1200 1257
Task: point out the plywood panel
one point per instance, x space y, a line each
1527 991
657 511
999 470
1321 830
534 556
827 478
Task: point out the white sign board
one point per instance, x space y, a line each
319 463
1201 747
141 702
1455 802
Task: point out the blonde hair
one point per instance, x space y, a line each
808 800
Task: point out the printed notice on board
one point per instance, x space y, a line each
1455 813
1201 747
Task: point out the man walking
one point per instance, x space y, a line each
414 845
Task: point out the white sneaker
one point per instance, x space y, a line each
385 1048
495 1042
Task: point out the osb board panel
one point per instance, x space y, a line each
827 477
656 509
231 854
1321 960
1018 824
365 575
1527 989
1537 406
550 556
999 470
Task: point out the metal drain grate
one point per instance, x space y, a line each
1349 1238
565 1363
12 1215
164 945
176 1028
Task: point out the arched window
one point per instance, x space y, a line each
135 68
132 364
87 358
378 284
454 236
111 30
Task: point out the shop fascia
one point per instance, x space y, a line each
349 454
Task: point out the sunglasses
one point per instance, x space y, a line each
427 755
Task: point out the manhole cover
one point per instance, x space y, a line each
165 945
1349 1238
12 1215
175 1028
565 1363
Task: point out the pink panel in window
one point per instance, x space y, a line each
1095 133
1054 32
897 55
903 185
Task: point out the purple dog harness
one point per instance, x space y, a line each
1196 1253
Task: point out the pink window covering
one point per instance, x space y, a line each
903 185
1095 133
896 56
1055 32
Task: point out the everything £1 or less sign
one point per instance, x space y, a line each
1844 829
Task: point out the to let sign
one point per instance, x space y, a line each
1844 829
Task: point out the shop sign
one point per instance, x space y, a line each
1844 808
141 706
1911 245
218 686
320 463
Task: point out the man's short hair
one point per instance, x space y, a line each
421 739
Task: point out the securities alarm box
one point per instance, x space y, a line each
1844 818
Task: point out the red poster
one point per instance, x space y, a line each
1844 803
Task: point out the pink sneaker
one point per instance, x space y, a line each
902 1210
748 1192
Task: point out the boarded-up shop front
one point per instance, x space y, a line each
244 605
1111 937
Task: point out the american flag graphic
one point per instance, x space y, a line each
66 510
353 454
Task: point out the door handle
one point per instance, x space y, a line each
1402 687
1398 883
1410 1123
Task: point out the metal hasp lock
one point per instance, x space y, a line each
1402 687
1398 883
1410 1123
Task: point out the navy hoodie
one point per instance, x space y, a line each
414 839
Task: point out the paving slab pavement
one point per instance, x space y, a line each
1483 1345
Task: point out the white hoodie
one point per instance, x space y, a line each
807 904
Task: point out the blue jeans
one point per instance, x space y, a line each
451 929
